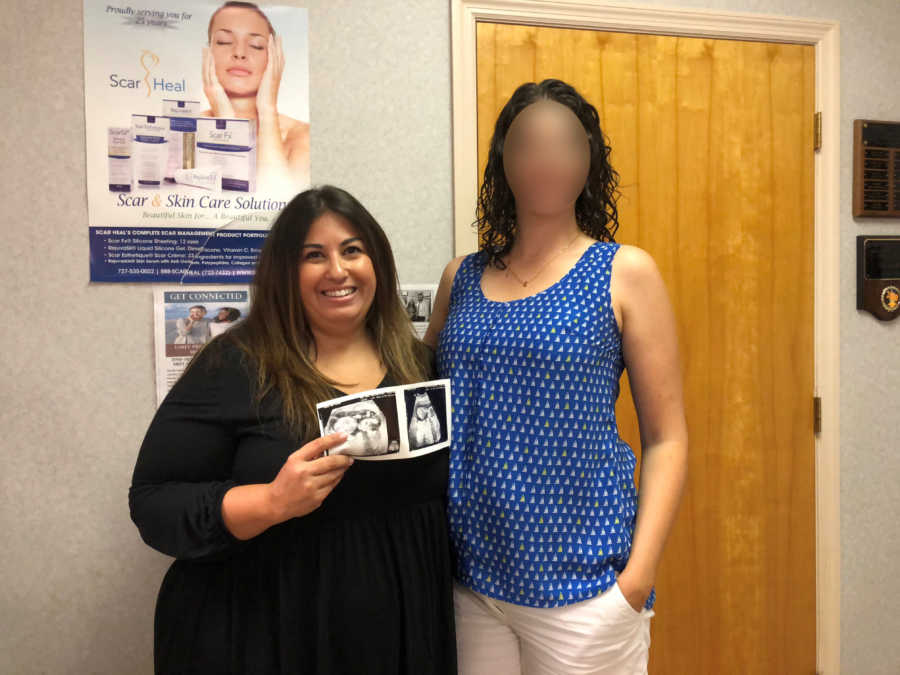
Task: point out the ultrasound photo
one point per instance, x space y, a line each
399 422
370 424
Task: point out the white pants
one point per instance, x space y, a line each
601 636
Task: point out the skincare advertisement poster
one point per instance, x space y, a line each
197 134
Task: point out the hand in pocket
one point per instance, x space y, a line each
634 594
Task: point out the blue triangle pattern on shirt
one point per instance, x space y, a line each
541 498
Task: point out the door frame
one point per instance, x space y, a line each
631 18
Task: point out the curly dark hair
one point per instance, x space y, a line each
595 208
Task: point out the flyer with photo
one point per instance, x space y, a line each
418 299
401 422
196 132
185 319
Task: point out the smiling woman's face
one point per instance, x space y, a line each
336 275
239 41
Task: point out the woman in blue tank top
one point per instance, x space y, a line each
556 551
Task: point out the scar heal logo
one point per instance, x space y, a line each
149 61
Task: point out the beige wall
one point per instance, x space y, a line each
78 585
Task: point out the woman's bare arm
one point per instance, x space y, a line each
650 346
441 303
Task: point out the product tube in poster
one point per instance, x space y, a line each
208 179
182 134
119 155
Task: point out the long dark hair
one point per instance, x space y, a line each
275 336
595 208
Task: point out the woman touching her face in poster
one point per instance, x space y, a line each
242 69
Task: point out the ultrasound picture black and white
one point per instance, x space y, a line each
426 412
366 425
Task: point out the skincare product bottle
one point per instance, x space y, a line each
189 138
181 125
179 128
149 136
228 145
119 156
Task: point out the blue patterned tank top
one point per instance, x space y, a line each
541 498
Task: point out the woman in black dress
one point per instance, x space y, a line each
288 561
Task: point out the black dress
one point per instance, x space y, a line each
362 585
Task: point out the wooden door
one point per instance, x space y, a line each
713 141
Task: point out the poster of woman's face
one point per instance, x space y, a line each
204 104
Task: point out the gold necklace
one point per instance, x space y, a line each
525 282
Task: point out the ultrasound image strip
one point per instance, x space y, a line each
390 423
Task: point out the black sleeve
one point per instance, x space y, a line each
184 466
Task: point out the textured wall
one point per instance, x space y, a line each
77 370
79 585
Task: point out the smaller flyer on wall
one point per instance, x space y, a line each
185 319
390 423
418 300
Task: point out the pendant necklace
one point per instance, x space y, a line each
525 282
